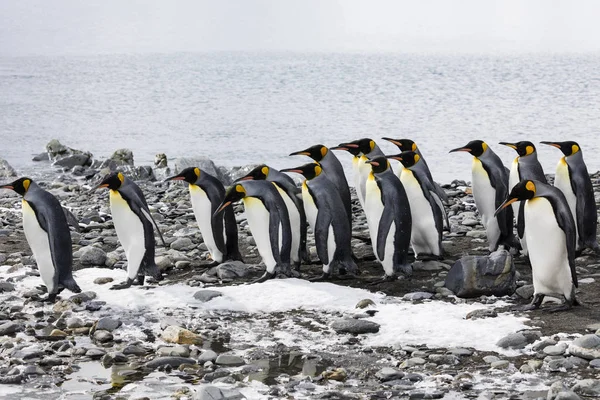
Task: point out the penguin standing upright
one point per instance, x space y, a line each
427 218
47 233
219 232
550 233
490 188
573 179
524 167
389 218
135 228
334 170
326 215
439 195
289 193
269 223
362 150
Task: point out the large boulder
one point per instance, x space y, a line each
204 163
57 151
6 171
122 157
474 276
74 160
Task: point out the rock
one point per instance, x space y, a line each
557 350
8 328
91 255
160 160
426 395
210 392
108 324
135 350
228 175
208 355
415 296
103 280
490 359
204 163
595 363
6 171
232 270
482 313
229 360
73 160
586 346
567 395
95 353
6 287
518 340
171 361
122 157
206 295
388 374
501 364
355 326
364 303
431 265
83 297
58 332
587 387
103 336
474 276
75 322
176 334
41 157
182 243
164 263
413 362
525 291
56 149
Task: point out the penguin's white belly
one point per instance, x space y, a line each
294 223
202 211
373 211
424 234
130 232
258 220
562 181
310 208
485 200
330 249
550 268
40 246
513 179
358 181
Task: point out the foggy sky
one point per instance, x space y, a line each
29 27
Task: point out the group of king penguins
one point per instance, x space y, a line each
404 208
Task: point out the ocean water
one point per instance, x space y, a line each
242 108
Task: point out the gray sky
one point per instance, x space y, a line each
117 26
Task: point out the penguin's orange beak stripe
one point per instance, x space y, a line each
300 153
7 187
505 204
511 145
297 171
175 178
245 178
394 158
224 206
397 143
460 149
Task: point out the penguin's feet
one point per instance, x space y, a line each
324 277
42 288
140 280
383 279
567 305
266 276
51 298
213 264
535 304
123 285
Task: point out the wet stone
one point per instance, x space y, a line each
208 355
557 350
365 303
103 336
355 326
501 364
388 374
229 360
214 393
108 324
103 280
174 362
9 328
426 395
206 295
587 346
587 387
518 340
415 296
482 313
595 363
75 322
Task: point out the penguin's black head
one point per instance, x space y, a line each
112 181
357 147
403 144
524 190
316 152
190 175
259 173
379 164
523 148
233 193
475 147
407 158
20 186
568 148
309 171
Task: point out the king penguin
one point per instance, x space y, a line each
550 233
573 179
47 232
389 219
290 194
334 170
269 224
135 228
427 218
219 232
490 188
327 216
524 167
439 195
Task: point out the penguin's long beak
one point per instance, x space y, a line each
300 153
340 147
375 163
221 208
465 149
394 157
244 178
553 144
506 203
395 141
11 187
294 170
102 185
511 145
174 178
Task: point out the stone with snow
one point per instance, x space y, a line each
518 340
586 346
210 392
355 326
587 387
229 360
415 296
206 295
171 361
204 163
176 334
108 324
388 374
6 171
473 276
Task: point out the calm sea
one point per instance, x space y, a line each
241 108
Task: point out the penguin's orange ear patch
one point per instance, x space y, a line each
414 147
323 151
265 170
197 172
26 184
240 189
574 149
318 170
530 186
484 146
529 150
121 177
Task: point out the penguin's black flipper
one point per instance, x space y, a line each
585 208
440 191
71 219
385 222
565 220
322 235
521 220
232 250
148 215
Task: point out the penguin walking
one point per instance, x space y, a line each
219 232
334 170
269 224
289 193
490 188
573 179
389 218
524 167
362 150
427 218
135 228
327 216
550 233
47 233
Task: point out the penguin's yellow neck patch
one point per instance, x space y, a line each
371 176
562 161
